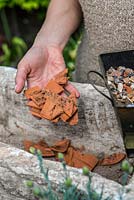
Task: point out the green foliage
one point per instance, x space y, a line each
16 47
29 184
85 171
24 4
13 52
68 182
60 156
127 167
70 52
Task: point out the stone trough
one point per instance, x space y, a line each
97 130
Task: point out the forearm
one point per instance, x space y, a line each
62 19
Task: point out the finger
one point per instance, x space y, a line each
70 88
20 79
63 94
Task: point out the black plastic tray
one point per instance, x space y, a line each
125 113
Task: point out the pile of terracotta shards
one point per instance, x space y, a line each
121 84
48 103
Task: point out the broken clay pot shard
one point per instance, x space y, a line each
113 159
29 92
52 86
50 104
74 157
42 146
61 146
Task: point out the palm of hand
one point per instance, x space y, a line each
44 65
38 66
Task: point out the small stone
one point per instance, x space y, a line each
128 71
132 86
123 85
110 78
124 97
126 80
116 80
131 79
120 68
120 87
111 69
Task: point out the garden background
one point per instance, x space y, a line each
19 23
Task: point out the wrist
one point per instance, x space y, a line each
44 40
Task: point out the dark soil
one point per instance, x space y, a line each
113 172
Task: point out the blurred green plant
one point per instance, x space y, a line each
70 52
15 47
27 5
128 170
12 53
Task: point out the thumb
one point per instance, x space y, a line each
21 75
70 88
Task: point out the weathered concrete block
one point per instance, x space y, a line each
98 130
18 166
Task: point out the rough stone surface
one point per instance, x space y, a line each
18 166
97 130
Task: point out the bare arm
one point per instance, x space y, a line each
62 19
44 59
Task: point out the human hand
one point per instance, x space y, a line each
38 66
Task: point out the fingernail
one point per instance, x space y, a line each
16 87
